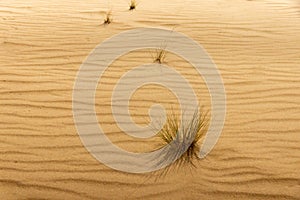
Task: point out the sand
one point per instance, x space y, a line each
255 45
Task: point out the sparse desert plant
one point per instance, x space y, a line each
159 55
132 5
108 17
184 136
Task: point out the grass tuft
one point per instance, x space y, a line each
159 55
183 133
132 5
108 18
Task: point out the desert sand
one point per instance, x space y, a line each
255 45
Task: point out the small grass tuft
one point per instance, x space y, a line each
108 18
160 55
132 5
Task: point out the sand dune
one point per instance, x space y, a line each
255 45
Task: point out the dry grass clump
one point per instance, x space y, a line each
108 17
184 136
132 5
160 55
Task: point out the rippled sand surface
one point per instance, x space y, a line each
256 46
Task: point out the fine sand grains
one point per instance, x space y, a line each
255 45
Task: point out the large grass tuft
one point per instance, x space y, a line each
184 136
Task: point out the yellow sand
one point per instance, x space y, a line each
256 46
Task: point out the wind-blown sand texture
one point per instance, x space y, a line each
256 46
